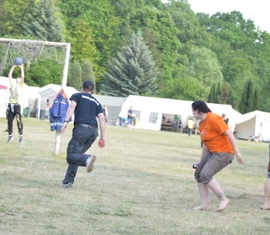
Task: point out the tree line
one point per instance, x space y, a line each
146 47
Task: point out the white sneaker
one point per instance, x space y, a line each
10 138
90 163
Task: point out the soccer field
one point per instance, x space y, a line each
142 183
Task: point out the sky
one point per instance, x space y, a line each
255 10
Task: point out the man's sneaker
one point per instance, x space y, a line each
20 138
67 185
10 138
90 163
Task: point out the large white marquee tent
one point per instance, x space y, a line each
254 123
147 107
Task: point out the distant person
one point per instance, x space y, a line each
14 107
86 110
219 148
226 120
105 111
130 117
190 126
169 121
176 118
255 138
163 120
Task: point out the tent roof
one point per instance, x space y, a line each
51 90
248 116
172 106
110 100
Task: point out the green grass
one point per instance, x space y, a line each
142 183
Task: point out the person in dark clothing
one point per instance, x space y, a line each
86 108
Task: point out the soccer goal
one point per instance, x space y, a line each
31 51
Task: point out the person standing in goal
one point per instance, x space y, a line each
86 109
14 107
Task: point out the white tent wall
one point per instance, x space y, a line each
145 106
114 105
253 123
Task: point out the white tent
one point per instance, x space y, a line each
113 105
149 110
253 123
47 95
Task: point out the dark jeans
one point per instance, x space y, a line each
11 114
82 139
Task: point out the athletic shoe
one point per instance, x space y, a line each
90 163
10 138
67 185
20 138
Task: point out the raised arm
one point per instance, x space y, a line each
22 72
11 72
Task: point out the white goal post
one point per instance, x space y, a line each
31 51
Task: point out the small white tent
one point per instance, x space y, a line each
149 110
253 123
113 105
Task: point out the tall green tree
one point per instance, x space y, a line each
132 72
247 100
44 22
87 72
75 75
204 66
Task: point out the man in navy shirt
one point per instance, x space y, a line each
86 109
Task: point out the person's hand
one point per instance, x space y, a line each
63 128
239 158
101 143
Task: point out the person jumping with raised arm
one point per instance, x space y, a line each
14 107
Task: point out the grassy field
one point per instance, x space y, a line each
142 183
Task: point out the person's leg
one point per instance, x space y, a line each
215 164
82 139
17 111
204 194
266 205
216 188
10 117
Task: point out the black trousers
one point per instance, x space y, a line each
14 110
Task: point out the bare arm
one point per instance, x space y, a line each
238 155
11 72
22 73
102 125
69 113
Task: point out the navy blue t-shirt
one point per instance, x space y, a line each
87 109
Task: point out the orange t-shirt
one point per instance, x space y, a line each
211 131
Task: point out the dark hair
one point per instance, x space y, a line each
201 106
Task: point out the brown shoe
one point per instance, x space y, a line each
90 163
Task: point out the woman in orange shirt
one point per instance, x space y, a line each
219 148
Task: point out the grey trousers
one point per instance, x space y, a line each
210 164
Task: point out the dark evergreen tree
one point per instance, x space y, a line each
43 22
75 76
212 94
87 72
247 100
132 72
